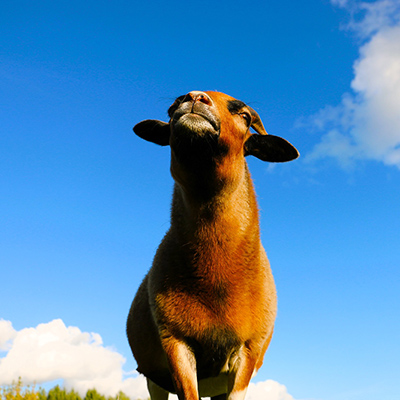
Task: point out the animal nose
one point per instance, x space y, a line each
201 97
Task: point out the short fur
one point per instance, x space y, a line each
203 316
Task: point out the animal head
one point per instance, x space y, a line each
212 125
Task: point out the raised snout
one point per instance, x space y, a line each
195 112
196 96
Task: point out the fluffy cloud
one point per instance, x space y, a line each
53 351
7 334
375 15
366 125
268 390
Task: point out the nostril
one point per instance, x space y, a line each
189 97
203 98
197 96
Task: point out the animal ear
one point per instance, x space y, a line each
154 131
270 148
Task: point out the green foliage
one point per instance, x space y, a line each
92 394
120 396
42 394
56 393
17 391
72 395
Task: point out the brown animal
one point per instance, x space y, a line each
203 316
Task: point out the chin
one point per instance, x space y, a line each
194 123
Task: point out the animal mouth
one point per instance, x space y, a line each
196 121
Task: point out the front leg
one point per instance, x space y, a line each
156 392
240 378
182 365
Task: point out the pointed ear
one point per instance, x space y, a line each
270 148
154 131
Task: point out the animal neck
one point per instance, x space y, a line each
219 239
216 213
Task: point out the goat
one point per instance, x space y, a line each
203 317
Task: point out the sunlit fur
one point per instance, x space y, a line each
205 311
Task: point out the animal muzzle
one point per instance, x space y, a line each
196 114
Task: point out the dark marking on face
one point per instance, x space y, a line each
234 106
175 105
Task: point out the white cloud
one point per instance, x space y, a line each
53 351
340 3
374 15
268 390
366 124
7 334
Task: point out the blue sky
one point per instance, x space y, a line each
84 202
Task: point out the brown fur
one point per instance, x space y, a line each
208 304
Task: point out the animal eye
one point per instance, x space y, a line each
247 117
